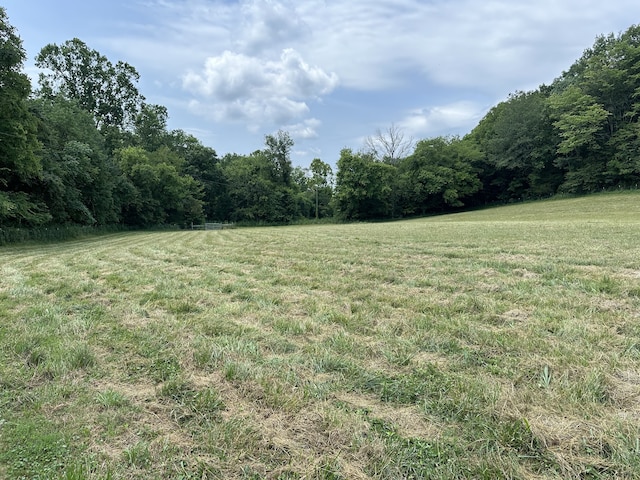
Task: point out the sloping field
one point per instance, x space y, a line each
502 343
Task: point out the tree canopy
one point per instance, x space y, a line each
20 163
77 72
86 149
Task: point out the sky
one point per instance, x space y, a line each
330 72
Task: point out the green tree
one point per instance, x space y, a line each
79 178
253 194
320 182
20 165
151 127
582 125
595 110
202 163
440 175
278 150
364 187
105 90
156 192
579 119
519 146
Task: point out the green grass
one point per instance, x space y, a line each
502 343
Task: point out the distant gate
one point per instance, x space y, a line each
212 226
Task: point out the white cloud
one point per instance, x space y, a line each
489 45
304 130
442 119
266 63
237 87
266 24
376 44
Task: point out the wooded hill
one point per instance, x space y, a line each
85 148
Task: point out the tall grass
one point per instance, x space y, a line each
494 344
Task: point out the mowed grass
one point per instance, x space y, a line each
502 343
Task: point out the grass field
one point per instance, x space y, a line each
502 343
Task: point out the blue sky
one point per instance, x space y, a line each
330 72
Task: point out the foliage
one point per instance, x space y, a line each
595 110
151 127
439 175
107 91
278 151
363 187
320 181
87 150
517 141
158 192
20 164
79 177
256 190
202 163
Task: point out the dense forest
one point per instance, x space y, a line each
84 148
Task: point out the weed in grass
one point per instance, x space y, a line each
317 389
400 354
287 326
605 284
632 349
207 402
328 363
35 357
207 355
32 447
111 399
545 377
434 343
627 451
279 345
515 433
410 457
230 438
343 343
138 455
85 470
352 321
235 371
215 327
182 307
592 388
281 396
81 357
164 368
329 469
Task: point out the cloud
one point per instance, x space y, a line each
376 44
490 45
494 46
266 63
442 119
237 87
304 130
266 24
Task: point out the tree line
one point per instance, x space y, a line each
579 135
85 148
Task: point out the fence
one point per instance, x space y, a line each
212 226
